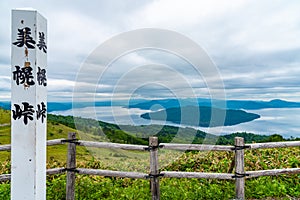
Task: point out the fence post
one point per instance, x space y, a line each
71 166
154 168
239 168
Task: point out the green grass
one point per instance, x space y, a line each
57 152
94 187
4 116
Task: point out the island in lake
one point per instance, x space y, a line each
201 116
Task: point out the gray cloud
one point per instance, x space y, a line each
255 45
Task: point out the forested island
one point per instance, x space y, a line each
208 116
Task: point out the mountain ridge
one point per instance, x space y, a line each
226 104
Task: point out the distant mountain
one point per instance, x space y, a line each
147 105
253 105
229 104
52 106
165 103
61 106
5 105
189 116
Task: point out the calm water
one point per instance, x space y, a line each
281 121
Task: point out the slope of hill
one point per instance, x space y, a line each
54 130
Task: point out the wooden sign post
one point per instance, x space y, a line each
28 105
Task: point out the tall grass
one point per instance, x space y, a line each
94 187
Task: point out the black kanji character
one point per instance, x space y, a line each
42 43
26 112
41 111
41 76
24 38
23 76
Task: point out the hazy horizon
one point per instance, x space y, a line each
254 44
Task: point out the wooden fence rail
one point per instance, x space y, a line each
154 175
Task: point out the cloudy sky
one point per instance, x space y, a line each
255 46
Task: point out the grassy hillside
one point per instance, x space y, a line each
60 126
4 116
54 131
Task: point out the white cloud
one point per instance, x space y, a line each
60 85
255 44
5 83
182 14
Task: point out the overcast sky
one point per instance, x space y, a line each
254 44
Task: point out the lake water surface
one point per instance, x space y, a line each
283 121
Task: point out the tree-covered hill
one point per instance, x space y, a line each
202 116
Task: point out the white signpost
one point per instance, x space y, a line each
28 105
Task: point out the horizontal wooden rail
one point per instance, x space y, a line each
55 142
197 147
173 146
5 147
173 174
55 171
112 145
111 173
6 177
274 145
272 172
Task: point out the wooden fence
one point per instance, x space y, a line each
154 175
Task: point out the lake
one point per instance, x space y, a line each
283 121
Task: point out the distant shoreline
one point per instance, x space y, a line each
169 103
283 121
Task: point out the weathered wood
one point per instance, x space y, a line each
173 174
55 142
197 147
239 168
5 177
55 171
272 172
112 145
110 173
274 145
71 164
5 147
154 168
